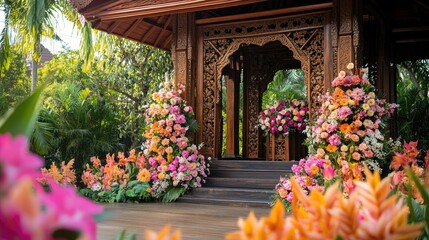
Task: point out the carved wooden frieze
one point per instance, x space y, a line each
254 28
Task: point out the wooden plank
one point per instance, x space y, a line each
196 221
113 26
270 13
132 27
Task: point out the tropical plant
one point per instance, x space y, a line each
287 84
413 100
84 125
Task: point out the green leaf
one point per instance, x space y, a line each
173 194
123 235
130 193
425 195
120 197
133 183
21 119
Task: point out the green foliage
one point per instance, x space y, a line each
64 67
413 100
15 83
287 84
135 191
21 119
418 212
84 125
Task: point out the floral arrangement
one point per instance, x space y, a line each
27 211
407 159
173 162
369 213
347 133
284 117
65 175
168 166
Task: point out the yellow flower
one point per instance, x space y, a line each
350 66
161 175
365 106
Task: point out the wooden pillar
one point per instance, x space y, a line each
346 39
183 54
232 83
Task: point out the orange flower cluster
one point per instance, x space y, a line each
65 175
369 213
114 172
408 159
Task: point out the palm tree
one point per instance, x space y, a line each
30 20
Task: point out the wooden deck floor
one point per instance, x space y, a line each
196 221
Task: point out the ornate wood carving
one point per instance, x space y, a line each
304 36
279 144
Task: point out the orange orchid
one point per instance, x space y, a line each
164 234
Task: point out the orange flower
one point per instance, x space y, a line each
338 93
164 234
343 101
143 175
331 148
345 128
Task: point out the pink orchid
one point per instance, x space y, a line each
16 160
328 171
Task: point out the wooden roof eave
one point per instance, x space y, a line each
109 10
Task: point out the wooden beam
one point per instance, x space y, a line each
132 27
414 40
148 33
91 10
113 26
167 41
156 23
410 29
163 30
167 8
265 13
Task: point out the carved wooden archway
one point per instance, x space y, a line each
303 35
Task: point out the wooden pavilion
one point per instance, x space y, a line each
215 41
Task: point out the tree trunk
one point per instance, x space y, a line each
33 74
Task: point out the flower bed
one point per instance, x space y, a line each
167 167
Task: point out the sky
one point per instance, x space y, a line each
64 29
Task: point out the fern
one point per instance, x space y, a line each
173 194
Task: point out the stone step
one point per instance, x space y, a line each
242 183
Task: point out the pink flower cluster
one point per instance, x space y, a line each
284 117
27 211
308 174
